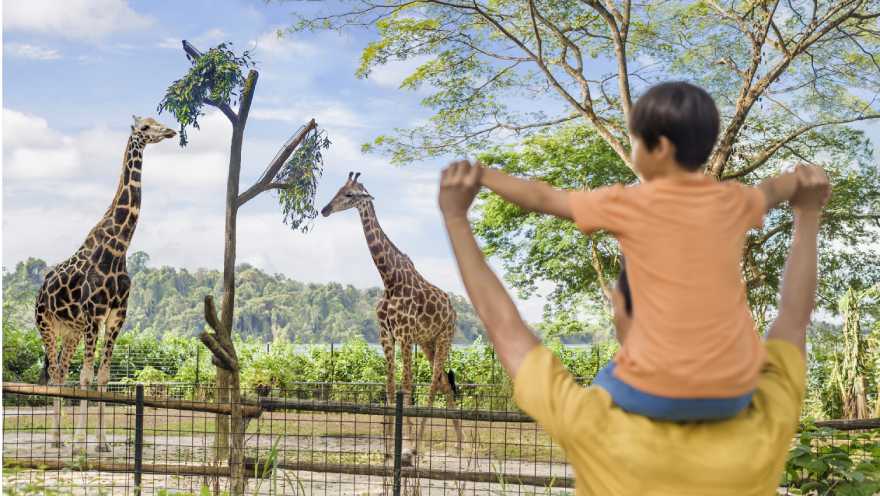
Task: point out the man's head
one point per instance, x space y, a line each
673 124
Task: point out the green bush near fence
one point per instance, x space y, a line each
280 366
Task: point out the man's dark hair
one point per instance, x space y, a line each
682 112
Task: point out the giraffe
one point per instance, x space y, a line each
411 310
91 287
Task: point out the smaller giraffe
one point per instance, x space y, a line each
91 287
411 310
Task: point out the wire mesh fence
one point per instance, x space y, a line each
312 438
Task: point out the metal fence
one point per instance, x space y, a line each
319 438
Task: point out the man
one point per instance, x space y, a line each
616 453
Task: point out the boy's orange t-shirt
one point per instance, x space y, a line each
692 333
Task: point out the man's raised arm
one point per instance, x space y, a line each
799 279
511 337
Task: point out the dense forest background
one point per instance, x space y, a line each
269 307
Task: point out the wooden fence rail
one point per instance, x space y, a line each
104 466
248 411
255 409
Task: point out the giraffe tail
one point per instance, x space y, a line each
450 376
44 373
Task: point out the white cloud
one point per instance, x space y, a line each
73 19
20 129
271 45
327 114
33 52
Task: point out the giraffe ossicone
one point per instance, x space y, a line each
90 289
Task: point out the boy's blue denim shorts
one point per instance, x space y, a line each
632 400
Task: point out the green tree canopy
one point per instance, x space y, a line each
493 67
535 248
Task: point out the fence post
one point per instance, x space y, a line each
398 440
138 436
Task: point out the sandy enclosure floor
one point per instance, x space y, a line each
174 437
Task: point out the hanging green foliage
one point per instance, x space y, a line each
217 76
301 173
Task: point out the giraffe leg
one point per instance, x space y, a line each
68 346
85 379
407 386
441 354
387 340
112 326
51 370
428 350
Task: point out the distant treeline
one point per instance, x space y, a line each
268 307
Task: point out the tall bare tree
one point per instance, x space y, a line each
216 79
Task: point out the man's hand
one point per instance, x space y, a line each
813 189
459 185
507 331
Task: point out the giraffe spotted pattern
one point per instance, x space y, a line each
91 288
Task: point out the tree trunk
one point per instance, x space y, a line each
224 379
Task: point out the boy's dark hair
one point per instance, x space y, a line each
682 112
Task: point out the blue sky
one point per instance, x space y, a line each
75 71
73 78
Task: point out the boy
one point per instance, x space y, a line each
691 351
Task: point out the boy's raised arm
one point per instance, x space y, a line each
779 189
534 196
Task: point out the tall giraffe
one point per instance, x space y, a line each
411 310
91 287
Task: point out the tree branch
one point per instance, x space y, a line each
194 53
749 93
619 36
224 356
759 159
221 357
247 96
265 182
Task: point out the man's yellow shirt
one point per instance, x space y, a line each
617 453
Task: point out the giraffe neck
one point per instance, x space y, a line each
387 257
117 226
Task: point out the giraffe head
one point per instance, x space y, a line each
352 194
152 131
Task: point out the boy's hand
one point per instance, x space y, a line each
813 189
459 184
